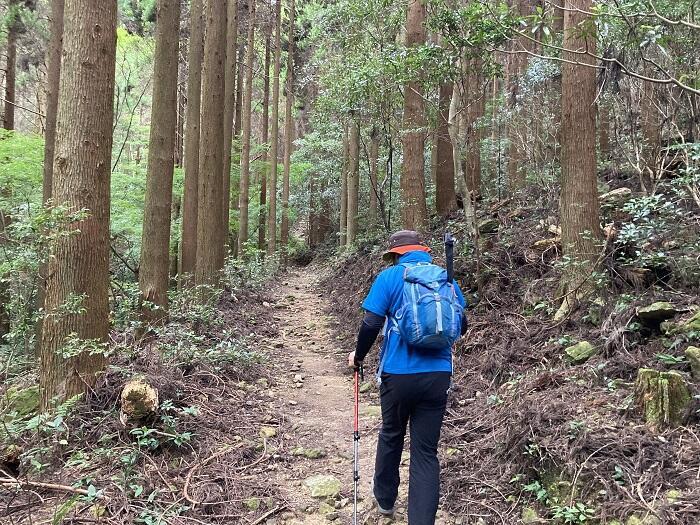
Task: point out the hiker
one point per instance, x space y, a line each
414 381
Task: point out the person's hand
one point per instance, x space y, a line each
351 360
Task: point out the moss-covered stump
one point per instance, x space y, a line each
663 397
693 355
139 400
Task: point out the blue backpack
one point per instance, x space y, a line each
430 315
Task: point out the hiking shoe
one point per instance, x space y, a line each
384 512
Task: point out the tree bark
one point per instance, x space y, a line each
11 65
516 66
244 196
288 130
353 180
262 217
373 176
229 111
344 187
274 141
53 78
154 274
579 208
210 238
188 248
474 111
414 211
211 152
78 269
445 199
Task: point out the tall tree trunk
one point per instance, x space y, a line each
180 134
188 247
288 131
274 141
229 110
445 199
344 187
211 151
79 264
175 212
579 208
414 211
243 202
53 78
474 112
154 274
262 218
235 189
13 27
353 180
455 130
373 176
651 124
517 64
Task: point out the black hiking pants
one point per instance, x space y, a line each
418 399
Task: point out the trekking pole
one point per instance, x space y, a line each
450 256
359 376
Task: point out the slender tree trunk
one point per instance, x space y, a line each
274 141
79 265
229 110
344 187
235 190
651 125
262 218
373 176
175 254
474 112
517 64
445 199
154 274
414 211
53 77
353 180
579 208
604 131
188 247
288 131
455 130
211 158
180 134
243 202
11 66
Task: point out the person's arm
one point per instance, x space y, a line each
369 330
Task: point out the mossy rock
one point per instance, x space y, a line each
580 352
689 325
663 397
693 355
656 312
529 516
22 402
616 195
323 486
488 226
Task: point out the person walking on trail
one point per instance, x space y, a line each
414 380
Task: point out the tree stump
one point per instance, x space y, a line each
139 400
663 397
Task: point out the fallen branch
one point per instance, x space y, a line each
48 486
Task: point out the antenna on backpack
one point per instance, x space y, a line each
450 256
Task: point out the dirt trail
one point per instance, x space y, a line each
314 391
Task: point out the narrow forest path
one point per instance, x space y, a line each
314 394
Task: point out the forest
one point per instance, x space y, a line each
195 196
